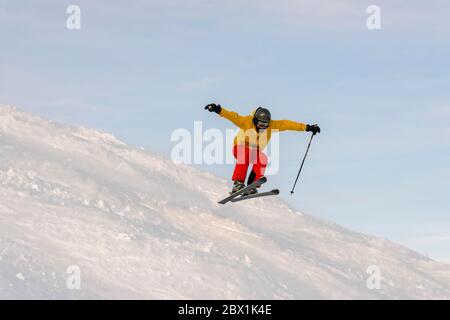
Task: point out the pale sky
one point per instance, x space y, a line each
140 69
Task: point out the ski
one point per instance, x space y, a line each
256 195
244 190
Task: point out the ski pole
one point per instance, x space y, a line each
301 167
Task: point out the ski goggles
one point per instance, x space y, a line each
262 124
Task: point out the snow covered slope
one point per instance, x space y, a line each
137 227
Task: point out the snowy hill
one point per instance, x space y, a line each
137 227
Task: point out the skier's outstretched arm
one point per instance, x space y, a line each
234 117
284 125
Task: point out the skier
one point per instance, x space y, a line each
253 136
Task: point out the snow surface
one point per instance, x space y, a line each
139 226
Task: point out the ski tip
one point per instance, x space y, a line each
275 191
263 179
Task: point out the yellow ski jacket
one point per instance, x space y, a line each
250 137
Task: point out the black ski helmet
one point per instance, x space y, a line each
262 115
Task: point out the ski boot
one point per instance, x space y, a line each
238 185
251 179
250 191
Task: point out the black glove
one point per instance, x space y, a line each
313 128
214 108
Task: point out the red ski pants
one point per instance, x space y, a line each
246 156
